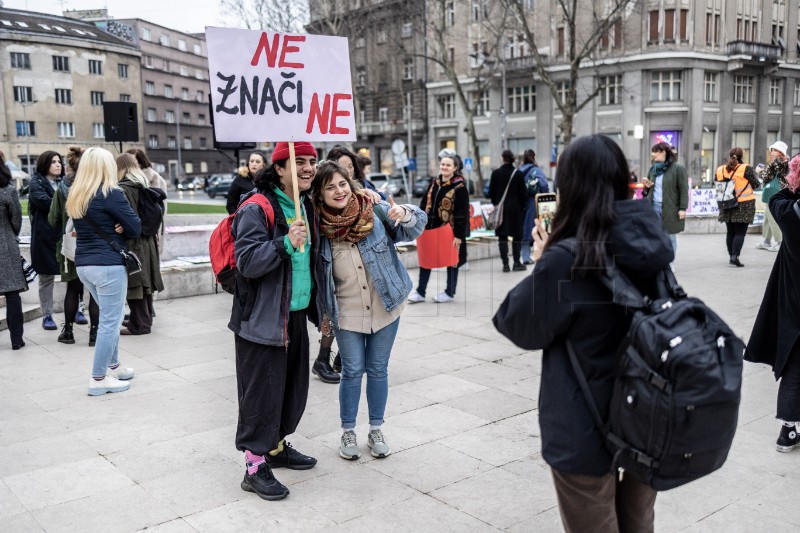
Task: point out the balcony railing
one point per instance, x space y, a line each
390 127
760 52
524 62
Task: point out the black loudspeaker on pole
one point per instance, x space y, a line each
121 122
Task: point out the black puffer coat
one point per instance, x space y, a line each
44 237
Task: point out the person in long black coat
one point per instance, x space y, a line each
44 237
774 340
513 208
243 182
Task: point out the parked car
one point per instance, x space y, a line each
220 187
421 186
387 184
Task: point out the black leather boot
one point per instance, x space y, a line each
322 369
735 261
92 335
67 336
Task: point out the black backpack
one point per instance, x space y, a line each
151 210
675 403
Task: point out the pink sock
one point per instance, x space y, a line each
253 461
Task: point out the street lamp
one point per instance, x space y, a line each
482 59
24 105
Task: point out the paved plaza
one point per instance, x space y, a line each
462 421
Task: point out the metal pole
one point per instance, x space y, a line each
27 140
408 144
503 107
180 161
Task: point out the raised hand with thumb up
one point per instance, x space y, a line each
396 212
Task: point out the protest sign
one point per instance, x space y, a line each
702 202
279 87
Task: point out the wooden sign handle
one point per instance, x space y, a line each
296 188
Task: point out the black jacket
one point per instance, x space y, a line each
515 203
777 325
92 249
449 204
240 185
552 305
44 237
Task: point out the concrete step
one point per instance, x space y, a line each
29 312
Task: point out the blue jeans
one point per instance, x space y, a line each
673 239
108 285
364 352
527 228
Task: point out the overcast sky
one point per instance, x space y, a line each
189 16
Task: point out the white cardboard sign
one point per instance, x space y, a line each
268 87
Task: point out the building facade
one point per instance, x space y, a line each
55 74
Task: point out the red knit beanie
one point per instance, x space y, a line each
300 148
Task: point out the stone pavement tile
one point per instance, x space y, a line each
34 379
29 427
205 371
428 424
547 522
16 405
404 348
328 461
325 393
429 467
202 417
778 499
254 515
112 437
24 456
529 362
334 495
494 444
757 451
121 510
398 403
678 508
406 370
173 526
763 426
487 332
438 388
9 503
177 356
418 514
737 519
323 418
489 350
66 482
224 387
446 361
491 375
526 422
759 397
21 523
496 497
447 340
187 491
415 332
527 388
492 404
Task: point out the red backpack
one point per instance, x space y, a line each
221 244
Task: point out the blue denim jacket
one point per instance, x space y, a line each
388 274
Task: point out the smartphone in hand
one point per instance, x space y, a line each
546 209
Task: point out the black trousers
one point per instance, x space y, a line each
71 301
140 320
14 317
272 382
425 276
516 247
734 239
789 388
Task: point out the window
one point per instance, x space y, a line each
742 140
97 97
201 96
149 88
613 37
382 36
148 61
522 99
406 30
710 87
146 36
66 130
447 106
775 92
169 116
199 74
383 115
64 96
665 86
185 93
152 116
201 120
450 10
674 26
122 70
23 94
480 101
611 90
795 141
172 142
164 40
61 63
152 141
20 60
742 89
203 143
713 24
747 13
181 45
124 97
166 65
707 158
203 166
560 36
198 50
408 68
561 88
99 130
189 166
184 70
168 91
26 129
96 67
361 42
796 93
361 76
187 143
187 118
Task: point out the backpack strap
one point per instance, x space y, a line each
262 201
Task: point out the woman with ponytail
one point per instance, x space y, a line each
740 217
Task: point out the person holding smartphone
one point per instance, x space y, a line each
667 190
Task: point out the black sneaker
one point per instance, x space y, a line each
506 268
264 484
290 458
519 267
322 369
788 439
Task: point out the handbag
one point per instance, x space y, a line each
69 241
132 263
495 219
28 271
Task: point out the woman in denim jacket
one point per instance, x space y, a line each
365 287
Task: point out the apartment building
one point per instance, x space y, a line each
55 74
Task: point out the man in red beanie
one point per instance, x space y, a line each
276 292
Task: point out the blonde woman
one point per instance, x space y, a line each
99 209
142 285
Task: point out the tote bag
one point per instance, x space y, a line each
435 248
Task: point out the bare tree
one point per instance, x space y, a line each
272 15
580 42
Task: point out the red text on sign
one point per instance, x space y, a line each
270 50
326 116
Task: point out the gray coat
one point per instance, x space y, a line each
11 277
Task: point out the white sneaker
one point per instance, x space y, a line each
415 298
121 372
775 247
764 245
107 384
443 298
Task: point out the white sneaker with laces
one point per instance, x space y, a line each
107 384
415 298
764 245
775 247
121 372
443 298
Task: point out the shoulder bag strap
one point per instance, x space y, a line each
503 199
97 229
587 394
